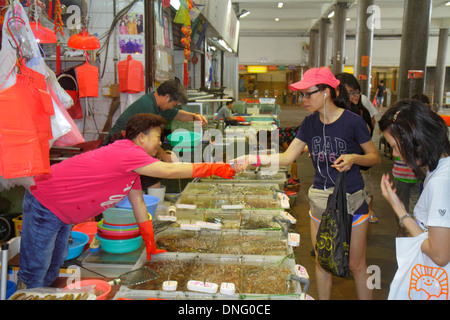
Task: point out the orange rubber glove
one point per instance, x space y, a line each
240 119
203 170
146 229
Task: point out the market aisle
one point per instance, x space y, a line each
381 236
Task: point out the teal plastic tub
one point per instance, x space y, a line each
119 246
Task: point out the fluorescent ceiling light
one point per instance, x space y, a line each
331 15
280 5
224 44
348 19
243 13
175 4
277 19
447 4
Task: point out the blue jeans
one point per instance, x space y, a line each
43 246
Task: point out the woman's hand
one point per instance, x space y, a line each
240 164
389 194
344 162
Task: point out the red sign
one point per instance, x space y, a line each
415 74
363 77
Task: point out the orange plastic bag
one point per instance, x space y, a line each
131 75
25 127
87 76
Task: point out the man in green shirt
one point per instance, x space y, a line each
162 103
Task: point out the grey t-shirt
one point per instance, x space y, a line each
223 113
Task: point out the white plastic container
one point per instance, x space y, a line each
200 286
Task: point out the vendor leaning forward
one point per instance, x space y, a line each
161 102
85 185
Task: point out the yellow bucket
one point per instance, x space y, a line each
18 225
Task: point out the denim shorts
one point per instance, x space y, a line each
43 245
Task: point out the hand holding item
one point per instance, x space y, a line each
344 162
202 170
390 194
199 117
241 163
146 229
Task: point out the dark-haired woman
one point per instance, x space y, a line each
338 140
361 105
420 137
85 185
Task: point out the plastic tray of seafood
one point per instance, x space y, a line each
52 294
212 277
229 201
224 242
251 177
252 219
232 189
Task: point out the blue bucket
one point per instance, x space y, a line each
11 287
150 201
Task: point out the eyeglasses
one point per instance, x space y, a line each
308 95
354 93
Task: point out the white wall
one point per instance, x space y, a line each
101 14
288 51
275 51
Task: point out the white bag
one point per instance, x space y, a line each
418 277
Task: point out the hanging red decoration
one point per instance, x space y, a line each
186 41
166 3
58 21
183 17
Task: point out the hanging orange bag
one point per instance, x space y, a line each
131 75
87 76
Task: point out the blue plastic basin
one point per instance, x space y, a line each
150 201
80 239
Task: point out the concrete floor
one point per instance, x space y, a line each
381 236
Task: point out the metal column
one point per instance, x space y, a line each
324 33
364 42
339 25
149 23
314 48
414 47
440 67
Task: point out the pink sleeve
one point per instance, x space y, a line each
137 184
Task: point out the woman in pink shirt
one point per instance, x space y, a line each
85 185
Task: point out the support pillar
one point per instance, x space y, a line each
324 33
339 27
314 48
414 47
440 67
364 43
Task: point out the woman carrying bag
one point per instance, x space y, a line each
338 140
420 137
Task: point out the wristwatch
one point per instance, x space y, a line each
400 222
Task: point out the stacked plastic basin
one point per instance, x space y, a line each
118 231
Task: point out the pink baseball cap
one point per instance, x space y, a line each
314 77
